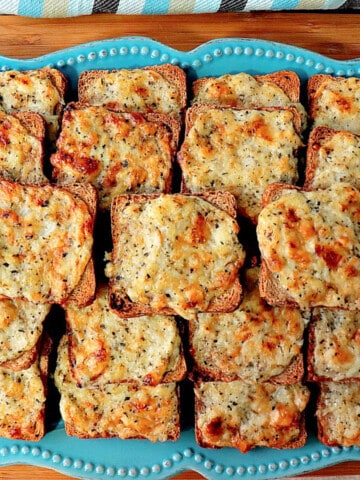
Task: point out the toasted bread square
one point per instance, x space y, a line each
104 348
118 410
22 399
174 254
46 235
277 89
309 243
22 138
158 88
255 343
338 414
40 91
332 156
244 416
241 151
334 102
21 328
117 152
334 349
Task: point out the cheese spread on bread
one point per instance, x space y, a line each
338 413
309 241
116 152
336 348
336 103
21 152
124 410
107 349
254 343
337 160
133 90
240 151
174 251
22 403
21 325
45 242
244 416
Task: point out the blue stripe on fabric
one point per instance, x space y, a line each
284 4
80 7
207 6
333 4
156 7
32 9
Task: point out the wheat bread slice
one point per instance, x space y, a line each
301 215
24 392
207 164
118 152
84 293
287 80
241 415
332 155
171 73
121 302
22 149
334 102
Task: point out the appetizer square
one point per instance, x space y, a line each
22 137
277 89
309 243
340 425
22 399
158 88
332 156
40 91
46 238
174 254
334 102
255 343
104 348
244 416
334 345
241 151
116 152
121 410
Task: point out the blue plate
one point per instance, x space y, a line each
111 458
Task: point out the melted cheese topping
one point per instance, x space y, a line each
22 403
310 243
124 410
21 325
241 152
181 252
45 242
337 160
336 104
244 91
117 153
337 344
20 152
245 416
340 425
107 349
254 343
136 90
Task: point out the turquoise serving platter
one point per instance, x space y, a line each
133 459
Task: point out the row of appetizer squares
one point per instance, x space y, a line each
117 377
242 132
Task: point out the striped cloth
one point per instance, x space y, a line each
70 8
